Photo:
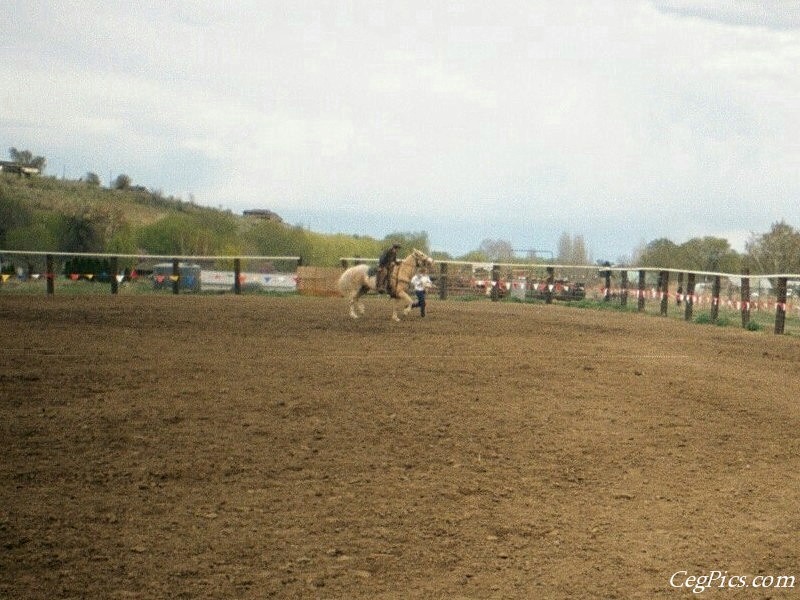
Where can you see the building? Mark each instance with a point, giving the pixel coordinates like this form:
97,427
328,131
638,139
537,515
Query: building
17,169
263,213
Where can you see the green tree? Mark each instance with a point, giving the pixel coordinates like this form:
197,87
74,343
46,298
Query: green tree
777,251
408,240
662,253
27,159
92,179
14,214
81,234
122,182
497,250
709,254
572,250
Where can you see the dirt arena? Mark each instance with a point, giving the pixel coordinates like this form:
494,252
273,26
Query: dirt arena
257,447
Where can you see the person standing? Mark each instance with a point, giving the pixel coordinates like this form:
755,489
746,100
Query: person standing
421,282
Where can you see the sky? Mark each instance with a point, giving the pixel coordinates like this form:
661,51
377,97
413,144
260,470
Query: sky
622,121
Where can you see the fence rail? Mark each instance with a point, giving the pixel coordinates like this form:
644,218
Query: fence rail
551,282
524,281
177,275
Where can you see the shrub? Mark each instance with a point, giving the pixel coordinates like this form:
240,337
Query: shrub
705,319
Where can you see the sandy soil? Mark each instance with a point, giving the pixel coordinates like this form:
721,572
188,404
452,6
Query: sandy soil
254,447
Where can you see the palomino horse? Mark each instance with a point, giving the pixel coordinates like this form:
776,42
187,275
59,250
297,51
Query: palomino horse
356,281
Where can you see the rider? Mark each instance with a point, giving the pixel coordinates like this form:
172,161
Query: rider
385,266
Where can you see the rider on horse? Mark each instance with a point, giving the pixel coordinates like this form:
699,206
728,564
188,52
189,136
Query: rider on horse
385,265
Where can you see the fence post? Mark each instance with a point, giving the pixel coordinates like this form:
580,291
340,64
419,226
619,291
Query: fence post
780,305
237,276
624,293
642,290
745,299
176,276
551,281
443,281
495,293
664,280
689,298
50,276
715,298
607,277
344,263
114,267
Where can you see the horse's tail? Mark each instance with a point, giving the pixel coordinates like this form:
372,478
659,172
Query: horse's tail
341,285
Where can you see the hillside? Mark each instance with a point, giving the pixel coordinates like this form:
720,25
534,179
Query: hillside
42,213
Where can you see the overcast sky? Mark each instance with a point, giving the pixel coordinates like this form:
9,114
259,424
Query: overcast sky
623,121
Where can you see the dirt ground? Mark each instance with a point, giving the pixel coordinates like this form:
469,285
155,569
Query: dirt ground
257,447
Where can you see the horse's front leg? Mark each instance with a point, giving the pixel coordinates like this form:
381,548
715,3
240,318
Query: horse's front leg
404,300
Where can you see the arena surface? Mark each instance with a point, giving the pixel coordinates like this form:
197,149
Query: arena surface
255,447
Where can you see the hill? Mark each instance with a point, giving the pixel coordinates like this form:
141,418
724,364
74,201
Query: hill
42,213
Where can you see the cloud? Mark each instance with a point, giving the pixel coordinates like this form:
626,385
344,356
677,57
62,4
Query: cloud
772,14
615,120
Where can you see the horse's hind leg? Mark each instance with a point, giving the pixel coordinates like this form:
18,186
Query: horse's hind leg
351,301
359,303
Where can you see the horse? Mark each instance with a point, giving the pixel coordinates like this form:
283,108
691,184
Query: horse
357,281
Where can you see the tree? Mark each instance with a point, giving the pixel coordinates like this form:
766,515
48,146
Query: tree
92,179
27,159
497,250
777,251
408,240
661,253
572,250
709,254
81,234
122,182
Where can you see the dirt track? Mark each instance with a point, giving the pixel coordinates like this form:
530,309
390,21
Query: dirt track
252,447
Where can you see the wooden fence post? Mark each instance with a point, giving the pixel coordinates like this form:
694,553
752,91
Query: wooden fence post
689,298
623,299
237,276
607,283
114,268
495,292
176,276
715,290
745,299
344,263
642,290
551,281
664,279
50,275
443,281
780,305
